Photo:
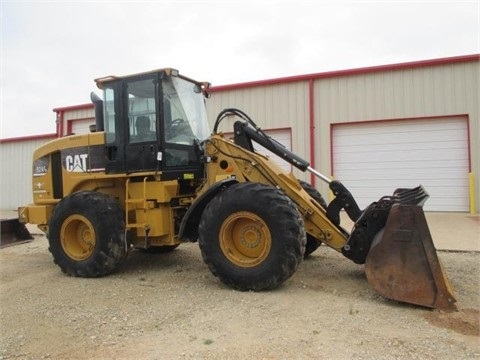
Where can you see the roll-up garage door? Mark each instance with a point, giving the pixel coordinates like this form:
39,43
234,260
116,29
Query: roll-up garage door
372,159
82,126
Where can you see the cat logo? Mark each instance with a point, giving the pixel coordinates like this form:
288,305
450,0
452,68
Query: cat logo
76,163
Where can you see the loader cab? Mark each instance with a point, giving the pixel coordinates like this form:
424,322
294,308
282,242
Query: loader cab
154,122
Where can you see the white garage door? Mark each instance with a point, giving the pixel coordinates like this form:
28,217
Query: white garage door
82,126
372,159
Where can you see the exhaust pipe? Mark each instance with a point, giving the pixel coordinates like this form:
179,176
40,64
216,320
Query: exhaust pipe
98,103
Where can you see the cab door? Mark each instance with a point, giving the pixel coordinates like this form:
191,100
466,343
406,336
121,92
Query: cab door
141,145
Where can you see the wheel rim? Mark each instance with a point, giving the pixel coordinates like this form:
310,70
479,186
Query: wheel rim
77,237
245,239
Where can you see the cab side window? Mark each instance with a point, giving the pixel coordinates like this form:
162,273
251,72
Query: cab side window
141,111
109,115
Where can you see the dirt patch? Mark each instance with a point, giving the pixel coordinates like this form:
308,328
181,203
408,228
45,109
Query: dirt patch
466,321
169,306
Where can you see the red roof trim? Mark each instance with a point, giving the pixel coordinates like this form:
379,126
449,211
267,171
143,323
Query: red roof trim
28,138
356,71
74,107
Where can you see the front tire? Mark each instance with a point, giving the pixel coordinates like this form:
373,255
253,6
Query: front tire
86,234
252,237
312,242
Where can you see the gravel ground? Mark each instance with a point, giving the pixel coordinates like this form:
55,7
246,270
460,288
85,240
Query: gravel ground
170,307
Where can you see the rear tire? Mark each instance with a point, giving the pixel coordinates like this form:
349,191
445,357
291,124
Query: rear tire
312,242
86,234
252,237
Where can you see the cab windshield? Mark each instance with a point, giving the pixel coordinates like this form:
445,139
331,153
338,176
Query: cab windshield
185,117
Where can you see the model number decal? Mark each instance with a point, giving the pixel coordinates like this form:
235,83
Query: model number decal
40,166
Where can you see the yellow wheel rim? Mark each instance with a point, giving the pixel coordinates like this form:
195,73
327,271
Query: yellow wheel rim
77,237
245,239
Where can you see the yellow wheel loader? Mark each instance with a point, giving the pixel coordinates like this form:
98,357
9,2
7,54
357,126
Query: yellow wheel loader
150,175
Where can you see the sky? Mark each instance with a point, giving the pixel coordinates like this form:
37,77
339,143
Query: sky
51,51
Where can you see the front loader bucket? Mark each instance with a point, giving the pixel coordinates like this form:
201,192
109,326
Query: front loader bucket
12,231
402,263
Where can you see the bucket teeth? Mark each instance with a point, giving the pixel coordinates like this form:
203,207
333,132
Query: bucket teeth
415,196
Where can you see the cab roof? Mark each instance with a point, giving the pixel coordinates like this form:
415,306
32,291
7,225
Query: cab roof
167,71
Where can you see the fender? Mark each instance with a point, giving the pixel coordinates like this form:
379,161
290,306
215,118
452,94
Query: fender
189,225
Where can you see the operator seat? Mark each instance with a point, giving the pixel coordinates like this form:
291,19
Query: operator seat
144,133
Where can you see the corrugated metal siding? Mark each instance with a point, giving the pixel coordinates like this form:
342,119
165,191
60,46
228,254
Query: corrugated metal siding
78,114
440,90
16,179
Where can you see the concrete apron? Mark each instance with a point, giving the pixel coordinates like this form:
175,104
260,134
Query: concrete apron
449,231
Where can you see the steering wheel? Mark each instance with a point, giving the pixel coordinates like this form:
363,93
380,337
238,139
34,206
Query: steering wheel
171,129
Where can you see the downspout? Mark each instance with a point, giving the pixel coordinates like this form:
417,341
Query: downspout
69,127
471,177
311,115
59,122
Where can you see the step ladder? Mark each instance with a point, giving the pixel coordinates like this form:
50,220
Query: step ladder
137,204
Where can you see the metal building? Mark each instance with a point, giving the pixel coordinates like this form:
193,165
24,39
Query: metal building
378,128
16,165
374,128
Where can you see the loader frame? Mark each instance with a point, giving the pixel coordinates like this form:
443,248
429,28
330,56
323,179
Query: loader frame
99,195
